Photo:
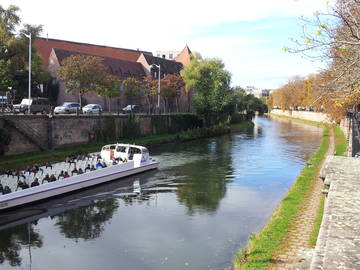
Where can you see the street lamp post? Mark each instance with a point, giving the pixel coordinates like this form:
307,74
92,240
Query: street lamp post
158,101
29,36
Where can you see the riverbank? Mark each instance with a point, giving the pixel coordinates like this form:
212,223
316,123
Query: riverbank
21,161
296,221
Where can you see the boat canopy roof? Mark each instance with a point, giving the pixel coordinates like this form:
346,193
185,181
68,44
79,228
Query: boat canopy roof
116,145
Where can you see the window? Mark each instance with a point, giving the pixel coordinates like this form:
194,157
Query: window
170,56
121,149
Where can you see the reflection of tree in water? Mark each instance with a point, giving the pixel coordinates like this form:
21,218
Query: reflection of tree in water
206,185
14,239
86,222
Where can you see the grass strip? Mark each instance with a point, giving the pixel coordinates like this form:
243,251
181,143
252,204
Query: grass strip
21,161
340,141
262,246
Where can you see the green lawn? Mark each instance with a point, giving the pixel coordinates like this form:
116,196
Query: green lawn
340,141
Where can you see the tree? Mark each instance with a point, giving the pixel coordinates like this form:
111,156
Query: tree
149,91
187,75
171,86
334,37
213,95
110,88
132,88
14,54
82,74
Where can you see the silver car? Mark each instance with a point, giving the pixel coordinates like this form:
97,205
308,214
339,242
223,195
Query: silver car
92,108
67,107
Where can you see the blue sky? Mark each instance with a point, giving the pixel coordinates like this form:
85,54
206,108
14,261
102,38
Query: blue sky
247,35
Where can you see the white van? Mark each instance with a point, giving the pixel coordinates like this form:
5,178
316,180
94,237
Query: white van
37,105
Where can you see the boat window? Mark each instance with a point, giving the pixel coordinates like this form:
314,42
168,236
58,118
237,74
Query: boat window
135,150
121,149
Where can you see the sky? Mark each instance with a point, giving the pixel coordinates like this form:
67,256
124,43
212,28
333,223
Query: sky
247,35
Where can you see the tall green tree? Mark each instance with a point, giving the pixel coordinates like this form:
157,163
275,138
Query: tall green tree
190,79
82,74
213,98
14,55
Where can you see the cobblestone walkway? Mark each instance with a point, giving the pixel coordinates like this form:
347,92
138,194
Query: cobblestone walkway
300,232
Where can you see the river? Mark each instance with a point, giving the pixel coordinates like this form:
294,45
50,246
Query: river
194,212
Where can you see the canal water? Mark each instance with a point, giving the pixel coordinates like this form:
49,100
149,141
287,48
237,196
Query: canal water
194,212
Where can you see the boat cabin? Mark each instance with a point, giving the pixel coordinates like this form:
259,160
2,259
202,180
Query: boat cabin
124,152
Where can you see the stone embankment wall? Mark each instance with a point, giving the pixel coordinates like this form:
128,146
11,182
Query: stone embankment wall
306,115
34,133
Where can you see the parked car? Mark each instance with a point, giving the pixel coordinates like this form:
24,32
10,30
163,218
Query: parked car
67,107
92,108
131,108
37,105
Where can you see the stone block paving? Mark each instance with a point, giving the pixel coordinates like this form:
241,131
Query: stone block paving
298,247
338,245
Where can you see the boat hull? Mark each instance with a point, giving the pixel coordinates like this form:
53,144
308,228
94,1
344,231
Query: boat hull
73,183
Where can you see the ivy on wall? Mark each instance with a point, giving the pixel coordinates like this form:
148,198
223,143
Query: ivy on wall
5,139
109,129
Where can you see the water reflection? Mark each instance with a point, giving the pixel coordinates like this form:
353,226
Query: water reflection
204,190
86,222
194,212
13,240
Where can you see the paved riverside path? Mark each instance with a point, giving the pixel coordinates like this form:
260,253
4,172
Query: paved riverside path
338,245
299,234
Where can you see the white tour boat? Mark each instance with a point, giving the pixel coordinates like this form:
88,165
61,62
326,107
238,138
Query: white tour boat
117,160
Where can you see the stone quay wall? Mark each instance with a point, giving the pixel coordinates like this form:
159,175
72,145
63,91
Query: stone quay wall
38,132
306,115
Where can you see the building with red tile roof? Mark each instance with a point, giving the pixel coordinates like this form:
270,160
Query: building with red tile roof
117,67
184,56
120,62
45,45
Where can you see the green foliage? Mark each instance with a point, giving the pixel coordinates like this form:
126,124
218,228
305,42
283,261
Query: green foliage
132,88
5,138
213,98
105,129
132,127
165,123
14,55
24,160
340,141
238,118
82,74
248,102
